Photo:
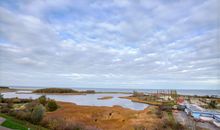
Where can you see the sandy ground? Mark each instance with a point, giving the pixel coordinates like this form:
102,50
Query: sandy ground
107,118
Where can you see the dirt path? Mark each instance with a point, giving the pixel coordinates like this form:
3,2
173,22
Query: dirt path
4,128
2,120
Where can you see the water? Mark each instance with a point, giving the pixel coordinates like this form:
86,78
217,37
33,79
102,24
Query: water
191,92
87,100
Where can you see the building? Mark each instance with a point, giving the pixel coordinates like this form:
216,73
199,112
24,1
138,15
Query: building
180,100
207,116
194,111
216,120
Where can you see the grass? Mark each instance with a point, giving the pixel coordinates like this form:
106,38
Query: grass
170,115
13,123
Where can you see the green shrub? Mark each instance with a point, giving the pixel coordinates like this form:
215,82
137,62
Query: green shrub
30,106
16,100
42,100
212,104
52,105
37,114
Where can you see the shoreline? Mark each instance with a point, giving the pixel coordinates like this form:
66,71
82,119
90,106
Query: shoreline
79,93
12,89
108,107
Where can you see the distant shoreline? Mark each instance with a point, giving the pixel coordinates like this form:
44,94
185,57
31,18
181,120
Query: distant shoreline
190,92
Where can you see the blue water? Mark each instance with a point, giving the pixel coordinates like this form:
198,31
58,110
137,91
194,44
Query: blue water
86,100
179,91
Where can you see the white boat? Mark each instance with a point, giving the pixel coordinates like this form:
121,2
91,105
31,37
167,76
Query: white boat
216,120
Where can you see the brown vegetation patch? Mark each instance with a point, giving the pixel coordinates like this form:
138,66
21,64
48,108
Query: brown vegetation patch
106,118
137,99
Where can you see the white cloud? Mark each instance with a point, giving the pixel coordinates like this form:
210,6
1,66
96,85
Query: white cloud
121,42
28,61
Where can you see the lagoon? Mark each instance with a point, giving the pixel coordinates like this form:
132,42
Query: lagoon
86,100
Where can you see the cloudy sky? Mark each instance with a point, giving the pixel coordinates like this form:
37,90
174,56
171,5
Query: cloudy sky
110,44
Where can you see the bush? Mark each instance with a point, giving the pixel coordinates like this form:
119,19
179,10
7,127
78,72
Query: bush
159,113
30,106
52,105
42,100
5,109
16,100
57,123
37,114
165,107
22,115
1,98
171,124
213,104
52,123
13,113
137,94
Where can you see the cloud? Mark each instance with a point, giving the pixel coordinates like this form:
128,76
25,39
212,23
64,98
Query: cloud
141,44
28,61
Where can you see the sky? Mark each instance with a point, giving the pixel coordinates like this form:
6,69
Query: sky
148,44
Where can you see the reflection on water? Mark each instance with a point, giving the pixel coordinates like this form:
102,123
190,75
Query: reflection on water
89,99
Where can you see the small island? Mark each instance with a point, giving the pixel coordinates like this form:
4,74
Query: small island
6,89
105,98
62,91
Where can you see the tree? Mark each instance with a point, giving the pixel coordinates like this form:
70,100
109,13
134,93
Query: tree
37,114
42,100
137,94
1,98
213,104
52,105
